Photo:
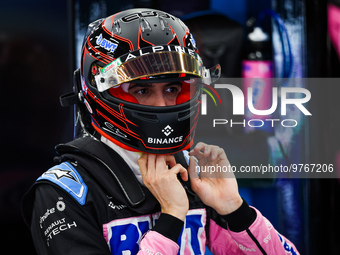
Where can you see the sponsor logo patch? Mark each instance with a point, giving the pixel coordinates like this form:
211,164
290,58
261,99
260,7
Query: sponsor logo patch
67,177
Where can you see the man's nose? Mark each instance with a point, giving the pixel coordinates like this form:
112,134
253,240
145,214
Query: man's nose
160,100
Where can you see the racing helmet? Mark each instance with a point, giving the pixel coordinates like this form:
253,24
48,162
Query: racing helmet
141,46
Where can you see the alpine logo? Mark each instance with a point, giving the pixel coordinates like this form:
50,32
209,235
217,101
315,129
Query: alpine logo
167,130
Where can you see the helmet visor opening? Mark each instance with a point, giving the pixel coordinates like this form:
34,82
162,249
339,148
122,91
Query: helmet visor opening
175,93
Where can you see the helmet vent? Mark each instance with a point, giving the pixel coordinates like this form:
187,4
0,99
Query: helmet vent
116,27
146,117
144,25
164,24
184,115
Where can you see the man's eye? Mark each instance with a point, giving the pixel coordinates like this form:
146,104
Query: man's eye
142,91
172,89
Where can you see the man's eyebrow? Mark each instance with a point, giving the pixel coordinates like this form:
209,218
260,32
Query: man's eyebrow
147,85
174,83
142,85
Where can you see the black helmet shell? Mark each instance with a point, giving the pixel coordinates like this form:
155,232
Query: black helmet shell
150,129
